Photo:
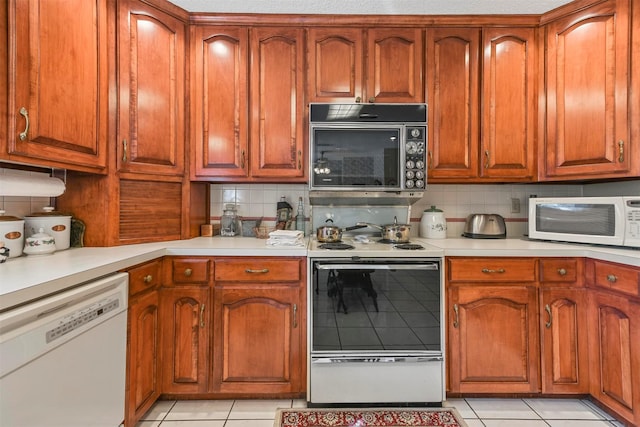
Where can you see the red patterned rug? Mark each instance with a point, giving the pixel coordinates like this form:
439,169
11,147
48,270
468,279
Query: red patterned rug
378,417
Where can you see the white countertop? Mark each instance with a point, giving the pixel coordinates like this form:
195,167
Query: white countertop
29,277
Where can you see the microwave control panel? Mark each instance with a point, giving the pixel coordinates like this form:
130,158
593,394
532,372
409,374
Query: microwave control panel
632,219
415,161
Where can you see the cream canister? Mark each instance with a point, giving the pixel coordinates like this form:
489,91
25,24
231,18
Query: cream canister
433,224
12,234
56,224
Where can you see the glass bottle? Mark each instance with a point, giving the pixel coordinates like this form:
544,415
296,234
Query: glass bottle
300,216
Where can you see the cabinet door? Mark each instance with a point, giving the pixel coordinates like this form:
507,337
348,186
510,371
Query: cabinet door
563,322
588,56
452,95
186,325
58,74
493,339
151,58
395,65
219,102
614,341
508,104
277,103
258,340
143,358
335,64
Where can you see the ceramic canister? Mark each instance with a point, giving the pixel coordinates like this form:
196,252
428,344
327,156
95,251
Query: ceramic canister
12,234
433,224
56,224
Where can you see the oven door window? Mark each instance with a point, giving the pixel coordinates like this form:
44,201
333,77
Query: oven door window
396,310
362,158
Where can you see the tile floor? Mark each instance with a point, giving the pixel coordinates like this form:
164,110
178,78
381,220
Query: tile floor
476,412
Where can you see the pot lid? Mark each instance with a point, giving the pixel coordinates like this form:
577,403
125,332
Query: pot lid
433,209
8,218
47,211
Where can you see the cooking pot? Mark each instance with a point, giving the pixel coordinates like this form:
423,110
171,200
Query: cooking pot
393,233
332,233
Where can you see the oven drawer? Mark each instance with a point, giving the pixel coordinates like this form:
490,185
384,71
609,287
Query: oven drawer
358,380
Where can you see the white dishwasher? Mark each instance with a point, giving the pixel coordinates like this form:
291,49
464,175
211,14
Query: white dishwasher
62,358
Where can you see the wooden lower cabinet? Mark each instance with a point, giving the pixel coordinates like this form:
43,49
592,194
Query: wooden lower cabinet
614,328
493,339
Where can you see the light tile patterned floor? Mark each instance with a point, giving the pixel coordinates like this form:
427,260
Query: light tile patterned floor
476,412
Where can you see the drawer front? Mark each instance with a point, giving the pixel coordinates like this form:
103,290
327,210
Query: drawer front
258,270
190,271
556,271
492,270
617,277
144,276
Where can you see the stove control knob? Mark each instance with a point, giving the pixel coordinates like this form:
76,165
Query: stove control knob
411,147
410,184
420,164
410,164
410,174
419,183
419,174
415,132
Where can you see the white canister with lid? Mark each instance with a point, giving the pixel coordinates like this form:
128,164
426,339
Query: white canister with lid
56,224
433,224
12,234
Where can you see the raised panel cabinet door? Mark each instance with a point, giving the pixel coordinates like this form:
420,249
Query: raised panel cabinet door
277,103
258,340
508,103
395,65
493,339
588,59
186,315
563,322
219,102
452,95
58,83
614,326
335,64
143,356
151,83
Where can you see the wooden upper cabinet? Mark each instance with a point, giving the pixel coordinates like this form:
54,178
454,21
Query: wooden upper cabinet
277,103
242,135
151,87
508,105
588,65
452,95
365,65
219,101
58,83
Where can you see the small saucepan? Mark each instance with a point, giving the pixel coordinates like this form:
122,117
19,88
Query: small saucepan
332,233
393,233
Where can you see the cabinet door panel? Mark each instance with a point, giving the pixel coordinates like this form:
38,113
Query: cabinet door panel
587,92
395,69
335,64
151,84
59,64
452,73
219,101
508,104
277,66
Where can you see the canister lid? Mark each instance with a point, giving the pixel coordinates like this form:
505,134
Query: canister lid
8,218
46,212
433,209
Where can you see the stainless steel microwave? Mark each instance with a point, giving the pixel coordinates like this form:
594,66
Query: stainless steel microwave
372,149
596,220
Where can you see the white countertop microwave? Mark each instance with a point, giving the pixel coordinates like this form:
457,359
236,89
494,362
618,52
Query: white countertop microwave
595,220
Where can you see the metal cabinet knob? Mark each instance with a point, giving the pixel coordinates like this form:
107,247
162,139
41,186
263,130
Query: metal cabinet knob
147,279
188,272
562,272
612,278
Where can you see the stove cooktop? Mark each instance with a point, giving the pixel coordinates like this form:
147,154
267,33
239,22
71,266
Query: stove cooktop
350,246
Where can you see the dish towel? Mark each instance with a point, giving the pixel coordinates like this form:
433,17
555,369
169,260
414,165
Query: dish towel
286,238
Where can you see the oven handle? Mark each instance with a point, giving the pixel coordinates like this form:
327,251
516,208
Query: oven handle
430,266
377,359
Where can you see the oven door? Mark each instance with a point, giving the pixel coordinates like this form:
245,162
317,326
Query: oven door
356,157
377,333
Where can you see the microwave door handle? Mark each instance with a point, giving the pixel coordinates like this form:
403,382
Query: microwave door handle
368,116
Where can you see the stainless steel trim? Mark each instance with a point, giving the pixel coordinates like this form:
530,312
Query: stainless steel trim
377,359
357,266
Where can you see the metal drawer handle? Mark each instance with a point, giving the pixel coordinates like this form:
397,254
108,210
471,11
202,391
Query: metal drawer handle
612,278
23,135
299,159
124,151
548,310
147,279
456,320
264,270
621,151
295,315
242,160
188,272
487,155
202,316
562,272
489,271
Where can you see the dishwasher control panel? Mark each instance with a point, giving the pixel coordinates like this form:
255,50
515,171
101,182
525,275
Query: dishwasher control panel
82,317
